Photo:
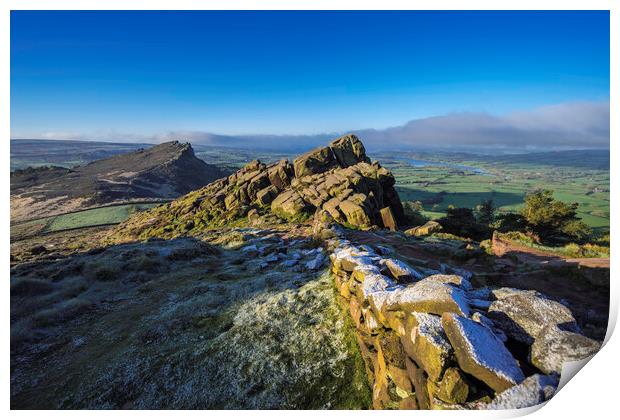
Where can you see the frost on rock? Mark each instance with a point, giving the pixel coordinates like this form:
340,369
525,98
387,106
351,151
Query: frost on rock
553,347
533,391
426,343
400,270
480,353
350,257
430,295
523,314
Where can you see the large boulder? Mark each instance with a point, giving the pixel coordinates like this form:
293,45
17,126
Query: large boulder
480,353
355,214
553,347
430,295
349,150
315,162
424,230
523,314
388,219
280,174
289,205
534,390
426,343
452,389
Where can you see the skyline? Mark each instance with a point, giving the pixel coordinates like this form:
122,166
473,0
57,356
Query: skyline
304,73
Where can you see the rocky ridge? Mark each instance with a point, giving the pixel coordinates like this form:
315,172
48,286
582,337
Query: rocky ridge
338,178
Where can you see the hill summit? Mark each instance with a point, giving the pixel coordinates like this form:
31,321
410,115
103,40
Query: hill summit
164,171
338,179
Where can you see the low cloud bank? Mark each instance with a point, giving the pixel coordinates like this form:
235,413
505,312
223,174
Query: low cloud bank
577,125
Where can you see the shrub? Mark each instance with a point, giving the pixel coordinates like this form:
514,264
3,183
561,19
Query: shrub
413,213
510,222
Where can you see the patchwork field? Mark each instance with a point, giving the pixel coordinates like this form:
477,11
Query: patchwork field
438,186
80,219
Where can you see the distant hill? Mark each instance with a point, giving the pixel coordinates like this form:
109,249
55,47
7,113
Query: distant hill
586,159
67,153
165,171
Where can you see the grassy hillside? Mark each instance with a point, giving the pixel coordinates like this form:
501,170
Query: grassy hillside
80,219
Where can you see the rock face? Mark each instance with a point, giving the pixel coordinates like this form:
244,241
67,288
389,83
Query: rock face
523,314
480,353
553,347
338,178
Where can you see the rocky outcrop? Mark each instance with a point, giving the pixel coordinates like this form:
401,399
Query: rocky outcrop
437,342
426,229
338,179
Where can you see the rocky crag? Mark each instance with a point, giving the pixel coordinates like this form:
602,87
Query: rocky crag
338,178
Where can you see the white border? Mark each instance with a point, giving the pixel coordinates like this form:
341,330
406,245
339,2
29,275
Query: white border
591,395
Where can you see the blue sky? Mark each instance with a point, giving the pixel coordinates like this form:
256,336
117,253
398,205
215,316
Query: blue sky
143,73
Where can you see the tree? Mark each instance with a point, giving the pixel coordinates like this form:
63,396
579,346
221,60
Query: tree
460,221
510,222
552,220
413,213
485,212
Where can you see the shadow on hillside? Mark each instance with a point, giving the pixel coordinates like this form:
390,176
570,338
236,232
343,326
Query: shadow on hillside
458,199
48,292
144,304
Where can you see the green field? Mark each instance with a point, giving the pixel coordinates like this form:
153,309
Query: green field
437,187
80,219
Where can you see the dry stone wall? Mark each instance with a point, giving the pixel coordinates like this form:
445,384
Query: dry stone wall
433,341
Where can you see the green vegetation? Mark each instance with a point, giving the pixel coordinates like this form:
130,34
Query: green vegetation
506,181
553,221
414,213
571,250
462,222
86,218
94,217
